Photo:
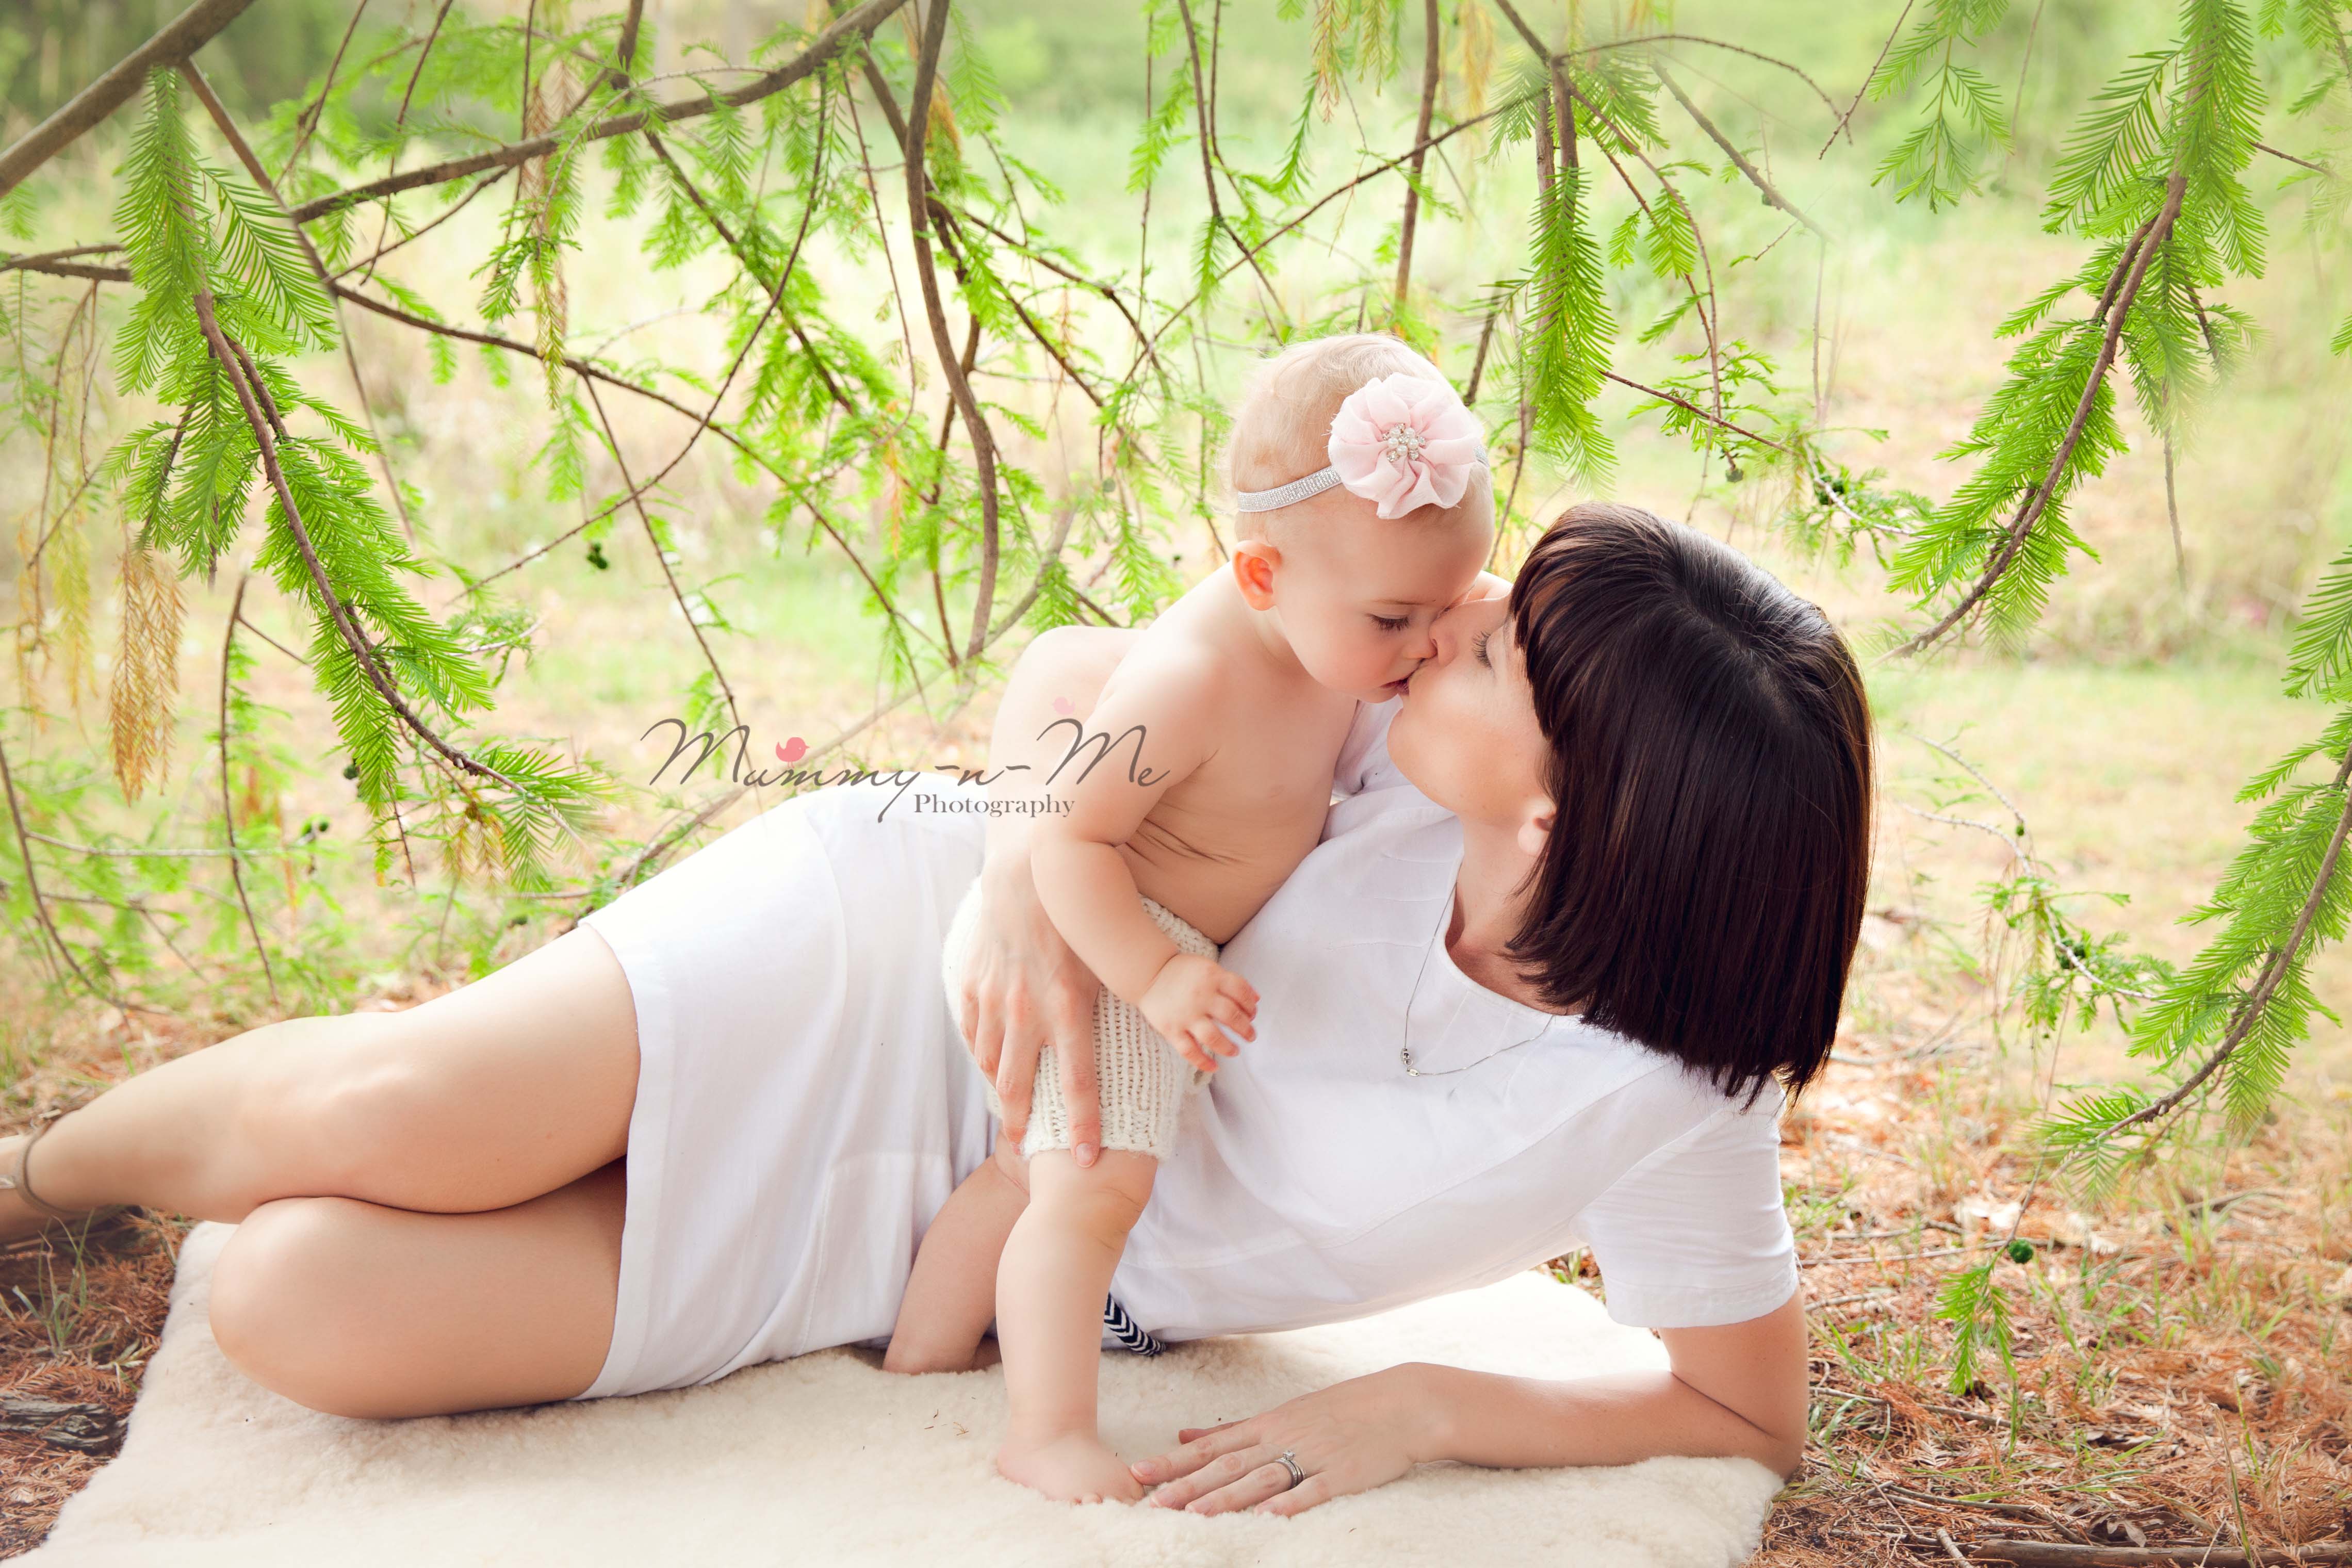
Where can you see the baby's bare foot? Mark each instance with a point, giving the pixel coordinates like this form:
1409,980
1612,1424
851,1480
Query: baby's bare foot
1073,1467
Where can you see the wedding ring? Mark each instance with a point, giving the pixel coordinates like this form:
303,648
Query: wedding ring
1288,1461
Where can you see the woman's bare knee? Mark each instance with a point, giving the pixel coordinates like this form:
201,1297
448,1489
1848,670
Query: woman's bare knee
367,1309
282,1302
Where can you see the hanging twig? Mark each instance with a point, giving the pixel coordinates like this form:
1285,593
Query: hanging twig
1773,196
1108,292
307,121
1714,419
367,265
850,29
1846,122
2115,305
228,800
2172,516
250,394
661,555
1386,165
245,155
40,906
179,39
587,370
2273,971
1217,218
1648,40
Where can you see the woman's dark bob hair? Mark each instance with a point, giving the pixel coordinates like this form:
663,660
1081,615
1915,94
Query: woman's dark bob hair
1704,881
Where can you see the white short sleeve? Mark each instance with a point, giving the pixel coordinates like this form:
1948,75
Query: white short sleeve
1694,1236
1364,762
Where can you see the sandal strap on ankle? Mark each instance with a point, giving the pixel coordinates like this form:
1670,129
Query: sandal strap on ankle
14,1180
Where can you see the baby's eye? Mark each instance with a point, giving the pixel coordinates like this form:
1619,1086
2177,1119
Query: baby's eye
1391,623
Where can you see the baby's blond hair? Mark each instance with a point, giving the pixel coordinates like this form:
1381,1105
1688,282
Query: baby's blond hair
1283,428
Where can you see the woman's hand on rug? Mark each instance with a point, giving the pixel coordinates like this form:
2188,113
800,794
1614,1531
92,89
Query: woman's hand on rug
1023,990
1349,1437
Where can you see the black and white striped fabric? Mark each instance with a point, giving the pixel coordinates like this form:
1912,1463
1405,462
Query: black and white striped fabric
1130,1335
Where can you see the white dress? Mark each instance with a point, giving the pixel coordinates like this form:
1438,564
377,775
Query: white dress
805,1105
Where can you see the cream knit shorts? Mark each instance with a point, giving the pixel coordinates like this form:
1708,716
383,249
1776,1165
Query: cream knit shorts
1144,1079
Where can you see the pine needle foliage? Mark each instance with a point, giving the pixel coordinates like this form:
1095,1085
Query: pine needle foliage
887,411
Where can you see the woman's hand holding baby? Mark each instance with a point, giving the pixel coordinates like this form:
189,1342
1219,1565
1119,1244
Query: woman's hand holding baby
1187,1001
1023,990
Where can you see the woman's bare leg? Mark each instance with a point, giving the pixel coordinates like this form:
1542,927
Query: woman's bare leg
359,1309
514,1086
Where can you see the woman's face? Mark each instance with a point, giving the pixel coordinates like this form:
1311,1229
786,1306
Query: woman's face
1467,735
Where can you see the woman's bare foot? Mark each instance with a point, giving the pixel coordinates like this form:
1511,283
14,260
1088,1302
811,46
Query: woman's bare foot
1073,1467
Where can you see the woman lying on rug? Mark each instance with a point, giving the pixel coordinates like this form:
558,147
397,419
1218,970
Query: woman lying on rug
1587,905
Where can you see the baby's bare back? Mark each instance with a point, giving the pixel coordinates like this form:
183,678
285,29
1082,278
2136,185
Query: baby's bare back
1219,842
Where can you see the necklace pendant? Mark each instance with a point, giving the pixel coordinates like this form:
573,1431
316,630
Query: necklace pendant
1405,1055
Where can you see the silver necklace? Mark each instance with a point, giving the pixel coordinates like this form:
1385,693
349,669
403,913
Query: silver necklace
1404,1048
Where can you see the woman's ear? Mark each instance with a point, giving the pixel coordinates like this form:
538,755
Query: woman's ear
1535,827
1254,563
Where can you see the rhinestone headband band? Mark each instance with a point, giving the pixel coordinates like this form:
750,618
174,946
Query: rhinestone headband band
1401,441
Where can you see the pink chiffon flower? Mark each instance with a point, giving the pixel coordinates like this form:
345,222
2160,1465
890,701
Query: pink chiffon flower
1405,442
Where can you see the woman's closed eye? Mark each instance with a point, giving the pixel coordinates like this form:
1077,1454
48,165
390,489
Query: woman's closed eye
1392,623
1478,648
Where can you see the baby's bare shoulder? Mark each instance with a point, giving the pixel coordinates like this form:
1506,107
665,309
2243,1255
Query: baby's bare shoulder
1178,665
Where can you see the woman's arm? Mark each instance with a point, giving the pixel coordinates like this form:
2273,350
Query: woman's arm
1733,1392
1024,988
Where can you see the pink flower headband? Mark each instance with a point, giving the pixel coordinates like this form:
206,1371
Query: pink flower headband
1402,441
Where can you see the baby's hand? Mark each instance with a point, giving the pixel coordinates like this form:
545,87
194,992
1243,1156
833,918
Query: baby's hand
1190,997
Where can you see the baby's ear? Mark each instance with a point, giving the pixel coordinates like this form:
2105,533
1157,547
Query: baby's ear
1253,566
1487,586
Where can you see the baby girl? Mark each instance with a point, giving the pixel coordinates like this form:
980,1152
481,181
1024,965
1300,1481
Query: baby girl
1364,510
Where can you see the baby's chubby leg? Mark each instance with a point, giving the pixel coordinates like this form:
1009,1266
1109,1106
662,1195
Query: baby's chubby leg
951,1295
1050,1287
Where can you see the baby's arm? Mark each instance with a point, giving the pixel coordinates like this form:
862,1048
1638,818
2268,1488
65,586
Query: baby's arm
951,1295
1158,716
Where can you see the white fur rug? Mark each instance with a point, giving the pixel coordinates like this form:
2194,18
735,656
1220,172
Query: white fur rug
828,1459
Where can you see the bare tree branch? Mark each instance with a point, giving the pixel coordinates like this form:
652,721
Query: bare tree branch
2315,168
179,39
984,445
73,270
1432,58
40,261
